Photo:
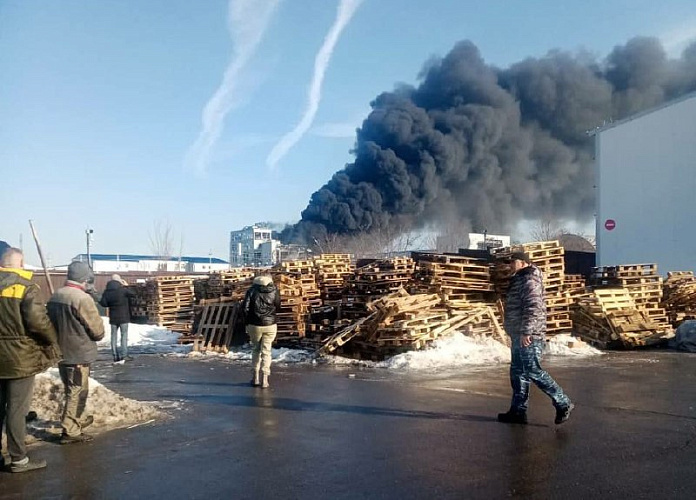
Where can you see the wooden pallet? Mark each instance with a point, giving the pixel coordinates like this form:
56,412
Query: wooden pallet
217,324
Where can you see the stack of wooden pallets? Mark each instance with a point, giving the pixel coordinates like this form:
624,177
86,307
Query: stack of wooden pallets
170,302
679,296
303,271
374,280
401,322
138,304
608,318
294,308
548,256
227,283
642,283
332,271
454,277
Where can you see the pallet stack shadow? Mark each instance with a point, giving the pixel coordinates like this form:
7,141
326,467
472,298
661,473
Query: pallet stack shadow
560,288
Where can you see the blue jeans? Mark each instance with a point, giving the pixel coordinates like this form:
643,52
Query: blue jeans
525,367
124,341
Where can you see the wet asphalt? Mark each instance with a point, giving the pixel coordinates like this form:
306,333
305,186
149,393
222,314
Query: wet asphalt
326,432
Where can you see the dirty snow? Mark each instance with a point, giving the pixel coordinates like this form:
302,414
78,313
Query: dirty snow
109,409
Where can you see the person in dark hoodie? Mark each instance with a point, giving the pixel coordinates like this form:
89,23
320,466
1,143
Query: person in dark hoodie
117,298
260,305
525,323
28,345
76,319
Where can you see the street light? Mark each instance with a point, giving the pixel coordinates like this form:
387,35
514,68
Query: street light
88,233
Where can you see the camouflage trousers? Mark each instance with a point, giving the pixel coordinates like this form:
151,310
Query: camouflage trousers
525,367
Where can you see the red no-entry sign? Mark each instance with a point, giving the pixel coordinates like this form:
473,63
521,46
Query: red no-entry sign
609,224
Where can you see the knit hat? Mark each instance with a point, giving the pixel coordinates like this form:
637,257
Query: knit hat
520,256
80,272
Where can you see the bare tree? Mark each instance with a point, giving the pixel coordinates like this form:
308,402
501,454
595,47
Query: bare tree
161,239
453,235
547,228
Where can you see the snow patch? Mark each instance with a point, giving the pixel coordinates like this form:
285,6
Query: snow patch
110,410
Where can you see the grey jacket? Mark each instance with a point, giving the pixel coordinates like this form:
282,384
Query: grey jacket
525,307
76,319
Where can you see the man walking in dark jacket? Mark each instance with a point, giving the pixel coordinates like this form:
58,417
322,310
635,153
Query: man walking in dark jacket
76,319
117,298
261,303
28,345
525,323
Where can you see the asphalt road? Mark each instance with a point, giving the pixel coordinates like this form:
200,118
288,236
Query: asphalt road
320,432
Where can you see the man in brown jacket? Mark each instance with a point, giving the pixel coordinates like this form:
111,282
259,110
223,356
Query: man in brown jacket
76,319
28,345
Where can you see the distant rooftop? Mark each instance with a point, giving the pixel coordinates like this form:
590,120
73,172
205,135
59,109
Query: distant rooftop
137,258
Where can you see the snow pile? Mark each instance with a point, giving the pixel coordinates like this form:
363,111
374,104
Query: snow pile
567,345
460,351
453,351
147,339
447,353
110,410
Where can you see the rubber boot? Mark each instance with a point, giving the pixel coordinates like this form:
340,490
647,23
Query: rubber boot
264,381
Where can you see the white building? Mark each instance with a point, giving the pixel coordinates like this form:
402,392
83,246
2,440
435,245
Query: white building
253,246
116,263
645,188
485,241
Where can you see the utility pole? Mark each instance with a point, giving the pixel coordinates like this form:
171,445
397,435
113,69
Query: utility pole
89,232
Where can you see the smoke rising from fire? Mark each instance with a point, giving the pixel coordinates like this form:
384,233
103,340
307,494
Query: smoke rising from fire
487,146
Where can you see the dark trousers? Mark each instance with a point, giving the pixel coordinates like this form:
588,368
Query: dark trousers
15,398
76,383
525,367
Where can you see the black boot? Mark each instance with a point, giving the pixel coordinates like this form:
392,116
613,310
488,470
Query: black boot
563,414
513,417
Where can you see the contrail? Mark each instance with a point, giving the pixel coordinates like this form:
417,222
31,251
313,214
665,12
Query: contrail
247,21
346,9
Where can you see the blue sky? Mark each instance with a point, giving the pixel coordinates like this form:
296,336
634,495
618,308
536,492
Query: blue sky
102,102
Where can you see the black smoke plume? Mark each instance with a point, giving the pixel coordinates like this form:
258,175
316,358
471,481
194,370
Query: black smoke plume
487,146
